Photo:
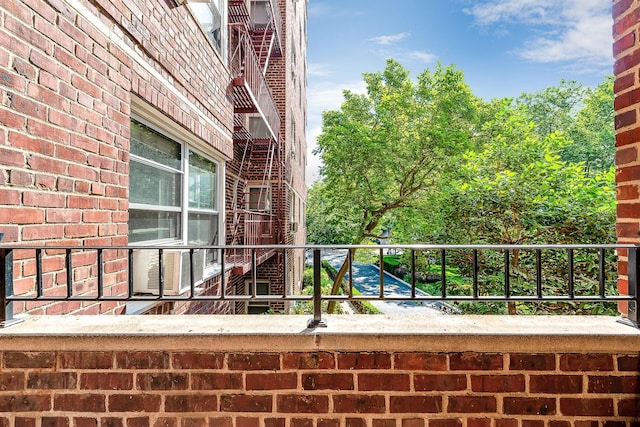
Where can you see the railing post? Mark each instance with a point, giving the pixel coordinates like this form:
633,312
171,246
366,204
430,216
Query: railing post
633,275
317,321
6,287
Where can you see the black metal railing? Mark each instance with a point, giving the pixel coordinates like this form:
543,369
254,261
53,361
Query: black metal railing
59,274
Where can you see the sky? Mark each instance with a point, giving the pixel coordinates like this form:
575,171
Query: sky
504,47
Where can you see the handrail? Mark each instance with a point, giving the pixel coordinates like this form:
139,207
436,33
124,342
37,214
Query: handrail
277,21
258,228
438,253
245,64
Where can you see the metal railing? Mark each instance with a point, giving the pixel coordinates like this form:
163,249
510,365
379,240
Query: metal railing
258,228
506,268
252,93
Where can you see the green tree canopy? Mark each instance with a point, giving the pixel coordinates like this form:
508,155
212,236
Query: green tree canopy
593,131
386,149
586,115
518,190
554,108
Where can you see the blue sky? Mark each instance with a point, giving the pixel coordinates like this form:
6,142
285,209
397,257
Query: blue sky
504,47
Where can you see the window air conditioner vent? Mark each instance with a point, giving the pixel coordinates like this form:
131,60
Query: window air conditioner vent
176,271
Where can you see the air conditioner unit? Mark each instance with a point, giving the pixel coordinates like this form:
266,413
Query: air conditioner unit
294,227
176,270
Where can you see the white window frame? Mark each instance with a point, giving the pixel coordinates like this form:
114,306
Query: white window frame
204,11
188,142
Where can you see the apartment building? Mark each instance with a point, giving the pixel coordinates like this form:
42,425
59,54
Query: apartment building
153,123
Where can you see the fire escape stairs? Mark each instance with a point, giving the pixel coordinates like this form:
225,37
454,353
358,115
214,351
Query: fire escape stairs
257,43
265,36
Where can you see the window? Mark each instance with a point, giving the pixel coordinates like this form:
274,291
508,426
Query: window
261,13
259,199
213,19
262,288
173,192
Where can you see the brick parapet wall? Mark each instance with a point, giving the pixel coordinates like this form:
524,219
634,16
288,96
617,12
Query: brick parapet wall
247,377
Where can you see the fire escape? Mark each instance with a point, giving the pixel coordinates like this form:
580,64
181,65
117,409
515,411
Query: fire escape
256,33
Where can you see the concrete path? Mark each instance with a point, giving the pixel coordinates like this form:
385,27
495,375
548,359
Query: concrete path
366,279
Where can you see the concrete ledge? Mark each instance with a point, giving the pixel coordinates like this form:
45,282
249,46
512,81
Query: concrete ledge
349,333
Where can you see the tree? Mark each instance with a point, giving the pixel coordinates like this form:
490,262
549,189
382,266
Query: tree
593,131
518,190
515,189
586,116
554,108
324,225
387,149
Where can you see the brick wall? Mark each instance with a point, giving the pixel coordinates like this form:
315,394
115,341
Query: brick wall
626,51
140,379
70,74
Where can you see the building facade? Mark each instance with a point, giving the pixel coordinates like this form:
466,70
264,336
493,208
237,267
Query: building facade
146,123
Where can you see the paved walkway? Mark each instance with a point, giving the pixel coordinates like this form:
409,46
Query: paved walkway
366,279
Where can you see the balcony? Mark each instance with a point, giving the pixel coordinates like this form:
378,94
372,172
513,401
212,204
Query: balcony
81,274
239,12
251,93
263,19
345,370
259,231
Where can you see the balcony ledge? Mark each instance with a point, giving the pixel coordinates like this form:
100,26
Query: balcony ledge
531,334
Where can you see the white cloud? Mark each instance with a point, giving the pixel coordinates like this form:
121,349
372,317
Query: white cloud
422,56
390,39
581,28
319,70
496,11
587,39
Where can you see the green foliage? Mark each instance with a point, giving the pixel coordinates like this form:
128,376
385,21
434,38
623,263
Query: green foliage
593,131
431,162
306,307
517,190
326,225
585,115
387,149
522,277
553,109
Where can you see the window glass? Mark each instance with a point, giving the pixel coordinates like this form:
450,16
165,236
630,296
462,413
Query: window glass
151,145
202,182
261,13
159,169
259,199
211,16
153,225
153,186
203,231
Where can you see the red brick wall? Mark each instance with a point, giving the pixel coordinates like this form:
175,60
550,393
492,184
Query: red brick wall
626,51
318,389
69,70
